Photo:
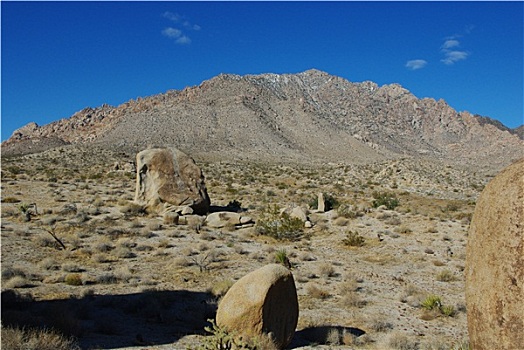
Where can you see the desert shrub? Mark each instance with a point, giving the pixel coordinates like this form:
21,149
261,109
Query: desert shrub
326,270
73,279
133,209
431,302
403,229
385,198
282,258
220,338
170,219
446,276
106,278
10,272
49,264
448,310
353,239
434,303
123,252
316,292
71,267
400,341
220,288
280,227
35,339
347,211
10,200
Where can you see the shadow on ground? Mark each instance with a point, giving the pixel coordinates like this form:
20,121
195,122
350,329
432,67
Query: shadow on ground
324,335
115,321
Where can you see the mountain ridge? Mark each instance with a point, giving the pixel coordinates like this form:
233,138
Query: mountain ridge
308,115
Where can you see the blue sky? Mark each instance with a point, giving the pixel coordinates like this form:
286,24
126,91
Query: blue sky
59,57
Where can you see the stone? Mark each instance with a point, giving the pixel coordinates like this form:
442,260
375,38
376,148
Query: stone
186,210
168,175
260,303
226,218
321,203
495,264
299,213
308,224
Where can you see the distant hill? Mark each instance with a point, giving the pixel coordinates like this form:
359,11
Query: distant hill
307,116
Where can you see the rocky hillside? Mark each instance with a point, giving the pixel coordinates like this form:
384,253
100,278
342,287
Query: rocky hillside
306,116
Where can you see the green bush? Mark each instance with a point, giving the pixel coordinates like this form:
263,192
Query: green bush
73,279
279,226
432,302
385,198
353,239
282,258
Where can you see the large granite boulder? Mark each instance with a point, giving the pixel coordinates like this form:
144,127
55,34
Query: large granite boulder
495,264
168,176
264,302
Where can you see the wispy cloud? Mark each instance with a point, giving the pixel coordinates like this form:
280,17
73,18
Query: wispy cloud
416,64
176,33
450,49
450,57
448,44
171,32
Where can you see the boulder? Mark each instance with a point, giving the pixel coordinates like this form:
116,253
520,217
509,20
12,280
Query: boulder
495,264
264,302
321,203
299,213
226,218
169,176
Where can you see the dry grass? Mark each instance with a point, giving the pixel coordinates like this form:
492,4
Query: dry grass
34,339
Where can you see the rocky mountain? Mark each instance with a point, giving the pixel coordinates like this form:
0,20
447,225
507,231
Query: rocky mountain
307,116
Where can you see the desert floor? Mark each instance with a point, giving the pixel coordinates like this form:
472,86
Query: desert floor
128,279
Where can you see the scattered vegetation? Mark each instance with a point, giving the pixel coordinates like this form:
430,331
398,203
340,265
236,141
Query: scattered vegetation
353,239
35,339
389,200
279,226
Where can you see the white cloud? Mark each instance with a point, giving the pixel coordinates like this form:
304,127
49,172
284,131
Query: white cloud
450,57
171,32
450,49
183,40
176,33
175,17
416,64
450,43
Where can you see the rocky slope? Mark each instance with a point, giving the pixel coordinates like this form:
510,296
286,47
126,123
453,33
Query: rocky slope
306,116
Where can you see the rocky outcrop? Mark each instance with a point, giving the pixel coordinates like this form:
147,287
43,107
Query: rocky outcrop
495,264
169,177
228,219
264,302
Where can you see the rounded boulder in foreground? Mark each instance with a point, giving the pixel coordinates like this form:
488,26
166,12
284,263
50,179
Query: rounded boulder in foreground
495,264
262,302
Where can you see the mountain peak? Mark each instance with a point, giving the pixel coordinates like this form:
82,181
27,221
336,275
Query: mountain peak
303,116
